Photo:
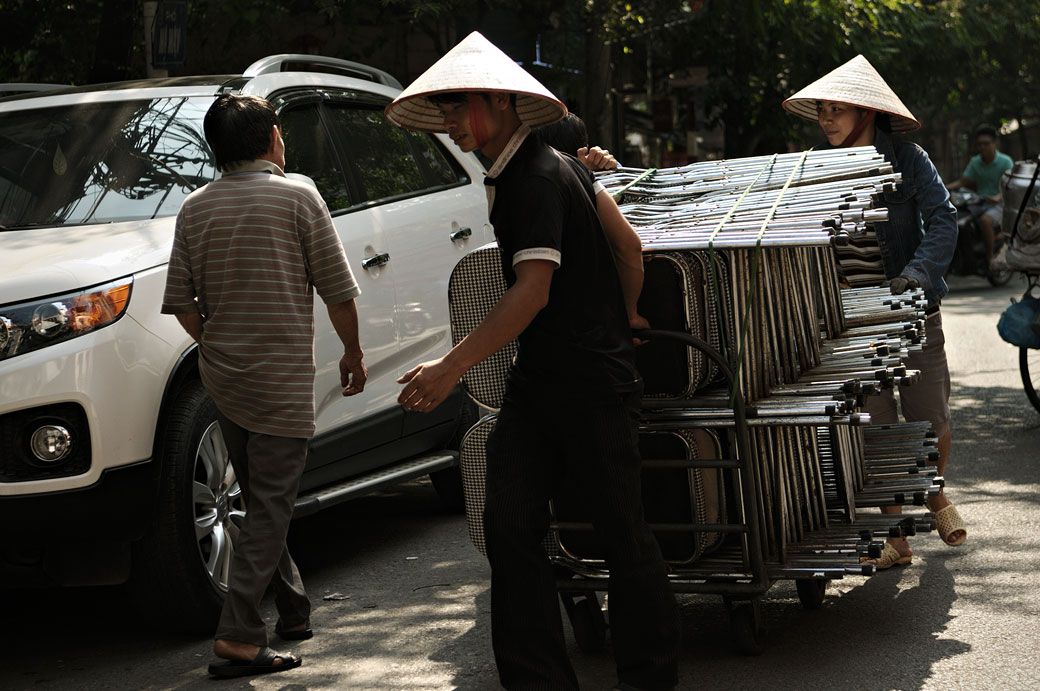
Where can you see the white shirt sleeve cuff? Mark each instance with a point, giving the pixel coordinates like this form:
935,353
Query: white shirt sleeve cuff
546,253
598,187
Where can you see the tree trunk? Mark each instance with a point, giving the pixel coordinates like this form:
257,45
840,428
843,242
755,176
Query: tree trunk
1023,136
596,109
115,41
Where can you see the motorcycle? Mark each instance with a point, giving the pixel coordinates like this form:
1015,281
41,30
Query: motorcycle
969,258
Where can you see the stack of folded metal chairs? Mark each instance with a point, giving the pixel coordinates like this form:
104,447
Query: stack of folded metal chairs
758,464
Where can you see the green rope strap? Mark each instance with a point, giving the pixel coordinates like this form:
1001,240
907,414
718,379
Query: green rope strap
754,274
646,173
711,251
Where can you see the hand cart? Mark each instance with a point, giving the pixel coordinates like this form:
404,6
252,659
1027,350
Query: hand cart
743,494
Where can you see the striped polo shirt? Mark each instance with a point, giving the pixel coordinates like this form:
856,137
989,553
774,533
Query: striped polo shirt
248,252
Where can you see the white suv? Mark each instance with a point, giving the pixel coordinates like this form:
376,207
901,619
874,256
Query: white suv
112,468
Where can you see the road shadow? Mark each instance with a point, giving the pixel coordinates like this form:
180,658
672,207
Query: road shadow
850,642
371,607
897,615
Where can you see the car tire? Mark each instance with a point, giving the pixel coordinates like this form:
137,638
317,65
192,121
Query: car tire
182,566
448,485
448,482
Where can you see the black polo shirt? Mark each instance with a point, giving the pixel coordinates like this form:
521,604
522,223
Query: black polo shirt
580,344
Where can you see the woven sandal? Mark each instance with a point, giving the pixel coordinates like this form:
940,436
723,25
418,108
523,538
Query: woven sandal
890,556
948,521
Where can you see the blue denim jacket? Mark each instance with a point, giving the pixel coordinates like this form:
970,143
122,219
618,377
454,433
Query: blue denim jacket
920,235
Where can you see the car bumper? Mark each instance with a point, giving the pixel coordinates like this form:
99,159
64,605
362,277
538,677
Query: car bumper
80,536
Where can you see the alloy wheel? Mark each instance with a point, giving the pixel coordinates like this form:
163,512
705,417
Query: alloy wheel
218,506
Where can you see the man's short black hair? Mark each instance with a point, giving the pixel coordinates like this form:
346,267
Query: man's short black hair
446,97
238,128
985,131
566,135
456,97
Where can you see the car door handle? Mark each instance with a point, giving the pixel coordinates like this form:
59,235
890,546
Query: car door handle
460,234
375,260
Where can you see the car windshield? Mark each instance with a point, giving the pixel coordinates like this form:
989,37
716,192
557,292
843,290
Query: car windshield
101,162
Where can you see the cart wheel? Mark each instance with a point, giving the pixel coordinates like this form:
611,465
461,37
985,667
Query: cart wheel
746,626
1029,364
812,591
587,620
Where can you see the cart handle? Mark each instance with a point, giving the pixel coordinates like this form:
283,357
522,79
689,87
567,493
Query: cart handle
690,340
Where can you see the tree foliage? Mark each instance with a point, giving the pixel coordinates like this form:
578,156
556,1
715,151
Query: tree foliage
68,41
951,61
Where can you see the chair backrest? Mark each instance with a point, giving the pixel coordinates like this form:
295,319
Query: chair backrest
475,286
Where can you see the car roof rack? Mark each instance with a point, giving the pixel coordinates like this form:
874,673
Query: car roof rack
297,62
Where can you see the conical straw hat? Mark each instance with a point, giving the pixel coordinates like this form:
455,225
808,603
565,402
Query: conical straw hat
856,83
475,64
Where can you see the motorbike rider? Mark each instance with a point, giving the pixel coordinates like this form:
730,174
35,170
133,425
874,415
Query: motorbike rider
983,175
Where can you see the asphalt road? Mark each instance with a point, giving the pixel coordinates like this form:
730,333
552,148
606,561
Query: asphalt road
401,598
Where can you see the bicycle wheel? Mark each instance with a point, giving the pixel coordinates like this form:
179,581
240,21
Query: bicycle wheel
1029,364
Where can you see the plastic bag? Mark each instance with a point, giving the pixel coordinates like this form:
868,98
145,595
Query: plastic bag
1016,323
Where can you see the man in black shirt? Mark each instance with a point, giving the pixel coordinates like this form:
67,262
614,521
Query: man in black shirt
574,270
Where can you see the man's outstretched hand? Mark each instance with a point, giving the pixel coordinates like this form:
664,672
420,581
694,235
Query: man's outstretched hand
427,385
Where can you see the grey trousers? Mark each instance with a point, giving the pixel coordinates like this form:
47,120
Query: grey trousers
268,470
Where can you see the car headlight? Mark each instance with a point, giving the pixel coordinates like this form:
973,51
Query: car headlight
29,326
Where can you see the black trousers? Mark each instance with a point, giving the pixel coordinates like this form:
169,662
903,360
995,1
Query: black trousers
535,440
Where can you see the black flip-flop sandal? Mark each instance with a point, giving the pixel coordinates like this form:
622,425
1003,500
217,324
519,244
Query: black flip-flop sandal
294,635
263,663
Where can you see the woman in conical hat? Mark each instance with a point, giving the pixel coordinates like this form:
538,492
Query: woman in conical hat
573,267
912,249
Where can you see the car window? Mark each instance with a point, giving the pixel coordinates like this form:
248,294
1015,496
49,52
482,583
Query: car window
441,168
308,150
342,141
102,162
379,152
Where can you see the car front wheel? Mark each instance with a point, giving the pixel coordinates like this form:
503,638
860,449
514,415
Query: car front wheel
182,567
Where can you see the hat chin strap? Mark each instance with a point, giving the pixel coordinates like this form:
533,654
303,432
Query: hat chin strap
864,122
476,123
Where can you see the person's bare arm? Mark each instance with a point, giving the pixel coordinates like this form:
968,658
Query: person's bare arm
962,182
628,255
352,372
192,323
429,384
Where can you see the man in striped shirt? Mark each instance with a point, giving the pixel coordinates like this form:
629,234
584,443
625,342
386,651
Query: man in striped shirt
248,251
